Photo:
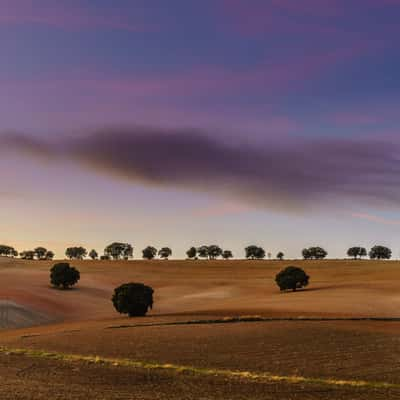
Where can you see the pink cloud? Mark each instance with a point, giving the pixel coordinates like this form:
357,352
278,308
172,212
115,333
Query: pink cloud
220,210
71,17
375,218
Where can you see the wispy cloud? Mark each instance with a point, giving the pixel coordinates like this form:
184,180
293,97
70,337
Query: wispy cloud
67,16
375,218
300,174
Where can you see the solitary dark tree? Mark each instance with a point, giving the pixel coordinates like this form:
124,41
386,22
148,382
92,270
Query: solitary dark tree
149,252
133,299
254,252
314,253
192,253
93,254
63,275
291,278
227,254
380,253
27,255
280,256
49,255
76,253
119,250
356,252
165,252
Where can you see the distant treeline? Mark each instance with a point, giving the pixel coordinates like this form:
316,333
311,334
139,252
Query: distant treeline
124,251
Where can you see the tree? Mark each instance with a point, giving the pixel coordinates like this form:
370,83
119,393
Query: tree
149,252
27,255
105,257
40,253
165,252
63,275
76,253
214,251
280,256
356,252
314,253
119,250
254,252
93,254
380,253
7,251
202,251
291,278
49,255
133,299
192,253
227,254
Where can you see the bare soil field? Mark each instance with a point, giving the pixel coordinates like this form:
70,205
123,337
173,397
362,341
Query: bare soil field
90,351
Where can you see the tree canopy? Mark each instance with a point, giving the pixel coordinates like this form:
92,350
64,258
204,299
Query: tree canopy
63,275
119,250
76,253
380,253
291,278
314,253
254,252
133,299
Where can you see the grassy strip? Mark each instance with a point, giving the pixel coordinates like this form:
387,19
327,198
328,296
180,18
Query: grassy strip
247,375
230,320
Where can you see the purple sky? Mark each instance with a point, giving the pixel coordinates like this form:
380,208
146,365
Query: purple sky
185,123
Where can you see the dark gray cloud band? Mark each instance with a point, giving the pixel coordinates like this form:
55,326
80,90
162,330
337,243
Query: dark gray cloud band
294,175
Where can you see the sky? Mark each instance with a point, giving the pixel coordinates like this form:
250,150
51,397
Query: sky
181,123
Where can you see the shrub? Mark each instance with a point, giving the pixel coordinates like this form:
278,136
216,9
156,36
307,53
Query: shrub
291,278
133,299
63,275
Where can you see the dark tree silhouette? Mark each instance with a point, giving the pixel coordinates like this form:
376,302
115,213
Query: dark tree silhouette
214,251
27,255
8,251
356,252
254,252
149,252
40,253
291,278
133,299
314,253
192,253
202,251
118,250
76,253
227,254
93,254
380,253
63,275
280,256
165,252
49,255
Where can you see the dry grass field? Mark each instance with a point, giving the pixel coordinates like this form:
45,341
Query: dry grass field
82,349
